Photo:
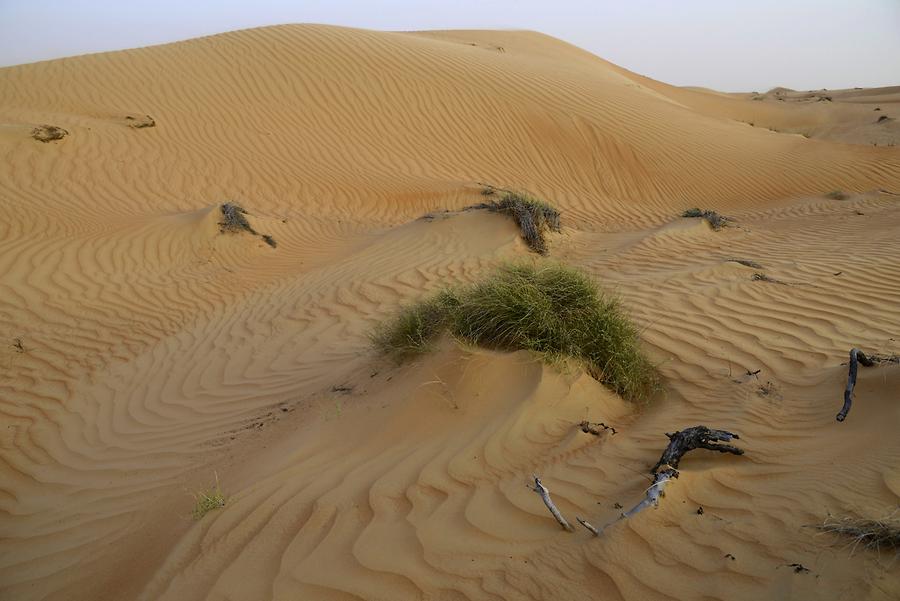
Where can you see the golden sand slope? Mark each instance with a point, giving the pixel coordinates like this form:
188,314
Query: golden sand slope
143,351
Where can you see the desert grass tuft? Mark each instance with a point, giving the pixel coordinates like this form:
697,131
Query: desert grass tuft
837,195
554,310
714,219
875,535
533,216
208,500
415,327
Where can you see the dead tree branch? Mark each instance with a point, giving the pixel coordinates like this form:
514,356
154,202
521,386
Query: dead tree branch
666,469
698,437
856,356
587,525
544,493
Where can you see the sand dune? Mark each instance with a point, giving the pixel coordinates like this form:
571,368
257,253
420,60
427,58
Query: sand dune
144,351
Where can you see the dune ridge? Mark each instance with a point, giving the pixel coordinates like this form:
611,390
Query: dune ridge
143,350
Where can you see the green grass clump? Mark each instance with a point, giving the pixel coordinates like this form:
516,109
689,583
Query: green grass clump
553,310
416,326
208,500
837,195
715,220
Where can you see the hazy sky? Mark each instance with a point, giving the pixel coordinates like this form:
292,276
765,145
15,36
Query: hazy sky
725,44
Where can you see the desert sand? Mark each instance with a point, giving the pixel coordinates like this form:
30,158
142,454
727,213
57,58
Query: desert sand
143,353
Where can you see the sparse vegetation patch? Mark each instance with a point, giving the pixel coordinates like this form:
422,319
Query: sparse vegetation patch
48,133
234,221
714,219
140,122
837,195
533,216
553,310
208,500
875,535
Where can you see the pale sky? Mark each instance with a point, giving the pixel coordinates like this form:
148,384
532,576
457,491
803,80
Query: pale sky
731,45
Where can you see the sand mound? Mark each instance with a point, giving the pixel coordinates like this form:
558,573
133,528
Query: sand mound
144,351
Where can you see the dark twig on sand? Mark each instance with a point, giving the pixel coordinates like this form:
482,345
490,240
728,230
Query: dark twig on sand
856,357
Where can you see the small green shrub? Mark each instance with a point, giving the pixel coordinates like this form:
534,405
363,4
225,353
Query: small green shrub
553,310
415,326
837,195
208,500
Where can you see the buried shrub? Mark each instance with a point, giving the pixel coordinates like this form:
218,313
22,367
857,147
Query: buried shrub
837,195
715,220
553,310
534,217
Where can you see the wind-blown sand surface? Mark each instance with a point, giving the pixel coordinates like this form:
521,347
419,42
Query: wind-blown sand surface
142,351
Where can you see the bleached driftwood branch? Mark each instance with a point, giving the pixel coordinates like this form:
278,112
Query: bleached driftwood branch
856,356
588,525
544,493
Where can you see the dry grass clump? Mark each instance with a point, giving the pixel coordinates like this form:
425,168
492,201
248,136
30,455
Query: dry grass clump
837,195
553,310
533,216
235,222
48,133
874,535
140,122
208,500
715,220
233,219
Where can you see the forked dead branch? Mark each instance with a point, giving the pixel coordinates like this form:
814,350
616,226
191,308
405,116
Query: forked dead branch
665,470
